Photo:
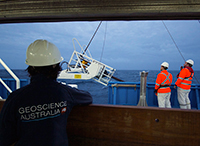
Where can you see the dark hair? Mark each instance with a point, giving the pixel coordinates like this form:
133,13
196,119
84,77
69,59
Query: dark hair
190,65
51,71
165,68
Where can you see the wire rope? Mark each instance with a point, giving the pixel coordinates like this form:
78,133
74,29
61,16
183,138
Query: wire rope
104,42
177,46
173,40
92,37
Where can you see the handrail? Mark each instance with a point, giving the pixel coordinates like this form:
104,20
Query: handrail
5,85
123,85
12,74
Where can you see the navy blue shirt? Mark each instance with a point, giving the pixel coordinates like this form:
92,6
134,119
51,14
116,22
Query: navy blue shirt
36,115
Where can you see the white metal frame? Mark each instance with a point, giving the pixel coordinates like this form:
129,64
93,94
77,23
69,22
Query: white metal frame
91,69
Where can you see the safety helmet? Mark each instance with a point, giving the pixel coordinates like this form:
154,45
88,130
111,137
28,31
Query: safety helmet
42,53
165,64
190,61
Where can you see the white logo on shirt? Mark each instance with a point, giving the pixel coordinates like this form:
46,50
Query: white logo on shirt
42,111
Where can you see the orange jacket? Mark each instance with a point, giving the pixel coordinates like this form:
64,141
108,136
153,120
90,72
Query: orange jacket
163,82
184,80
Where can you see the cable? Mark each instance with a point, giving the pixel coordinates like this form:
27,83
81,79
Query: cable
92,37
103,42
173,40
63,63
177,46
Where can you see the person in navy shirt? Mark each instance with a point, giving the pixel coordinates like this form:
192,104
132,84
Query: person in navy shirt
36,114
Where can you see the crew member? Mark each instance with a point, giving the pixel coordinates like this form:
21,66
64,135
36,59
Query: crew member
162,86
36,115
183,83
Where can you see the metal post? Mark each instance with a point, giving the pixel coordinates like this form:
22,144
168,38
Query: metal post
143,83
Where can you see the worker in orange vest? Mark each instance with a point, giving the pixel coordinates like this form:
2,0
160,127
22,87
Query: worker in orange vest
162,86
183,83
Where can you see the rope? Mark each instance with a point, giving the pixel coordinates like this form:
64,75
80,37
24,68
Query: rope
104,42
173,40
177,46
92,37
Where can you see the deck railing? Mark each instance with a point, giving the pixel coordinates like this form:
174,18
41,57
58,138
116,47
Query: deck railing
12,74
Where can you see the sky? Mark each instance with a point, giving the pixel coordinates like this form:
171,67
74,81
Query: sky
123,45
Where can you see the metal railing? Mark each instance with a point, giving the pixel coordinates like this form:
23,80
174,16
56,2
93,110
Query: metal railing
12,74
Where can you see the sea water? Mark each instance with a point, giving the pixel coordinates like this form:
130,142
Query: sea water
98,91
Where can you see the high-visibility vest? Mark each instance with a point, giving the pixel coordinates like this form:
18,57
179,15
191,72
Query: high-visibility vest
163,82
184,80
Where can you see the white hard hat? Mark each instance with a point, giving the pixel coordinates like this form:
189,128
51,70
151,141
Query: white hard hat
165,64
42,53
190,61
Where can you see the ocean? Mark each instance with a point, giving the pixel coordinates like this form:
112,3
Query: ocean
98,91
